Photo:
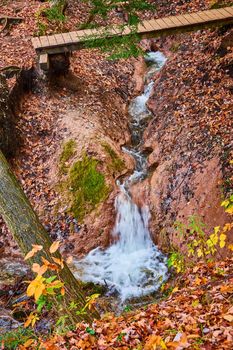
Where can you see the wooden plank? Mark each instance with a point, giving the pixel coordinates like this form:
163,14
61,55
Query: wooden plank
204,16
161,23
52,40
212,15
168,22
229,10
175,21
36,43
73,37
59,39
144,27
186,20
67,39
155,25
219,14
223,11
44,61
44,41
196,18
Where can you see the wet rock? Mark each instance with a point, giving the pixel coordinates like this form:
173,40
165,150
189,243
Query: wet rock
11,270
7,322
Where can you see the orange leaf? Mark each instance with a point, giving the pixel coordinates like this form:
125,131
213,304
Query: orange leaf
37,247
28,343
58,261
35,267
30,254
62,291
42,270
54,247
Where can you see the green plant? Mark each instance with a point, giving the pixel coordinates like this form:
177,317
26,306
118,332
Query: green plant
54,13
228,205
42,27
47,289
199,243
116,165
177,261
12,340
118,47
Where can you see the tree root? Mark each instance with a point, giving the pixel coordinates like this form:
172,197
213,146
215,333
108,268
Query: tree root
10,71
7,21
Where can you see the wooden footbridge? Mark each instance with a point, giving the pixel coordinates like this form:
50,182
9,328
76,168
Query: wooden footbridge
67,42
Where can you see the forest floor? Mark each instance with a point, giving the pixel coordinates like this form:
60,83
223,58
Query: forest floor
196,311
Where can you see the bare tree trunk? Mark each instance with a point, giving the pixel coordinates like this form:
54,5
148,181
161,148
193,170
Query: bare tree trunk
24,224
8,139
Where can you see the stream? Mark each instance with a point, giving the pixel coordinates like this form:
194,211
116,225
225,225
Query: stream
133,266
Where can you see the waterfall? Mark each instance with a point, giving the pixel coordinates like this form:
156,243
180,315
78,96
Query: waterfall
132,266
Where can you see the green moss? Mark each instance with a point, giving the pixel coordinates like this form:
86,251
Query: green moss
86,186
116,164
68,151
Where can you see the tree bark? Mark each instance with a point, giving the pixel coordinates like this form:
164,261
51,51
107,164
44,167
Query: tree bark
8,139
26,228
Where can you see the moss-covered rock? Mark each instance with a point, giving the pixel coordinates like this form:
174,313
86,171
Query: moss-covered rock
85,186
68,151
116,165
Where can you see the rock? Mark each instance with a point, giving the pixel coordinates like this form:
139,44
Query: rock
7,322
11,270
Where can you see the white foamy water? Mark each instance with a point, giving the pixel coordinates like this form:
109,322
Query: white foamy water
132,266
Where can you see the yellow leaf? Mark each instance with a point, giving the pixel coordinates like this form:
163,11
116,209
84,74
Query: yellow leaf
39,290
31,290
199,253
29,320
229,210
174,290
230,247
54,247
229,318
225,203
222,237
222,244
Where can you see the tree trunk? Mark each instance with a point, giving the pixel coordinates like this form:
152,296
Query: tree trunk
8,139
24,224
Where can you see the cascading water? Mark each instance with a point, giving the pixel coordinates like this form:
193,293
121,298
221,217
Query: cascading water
133,266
